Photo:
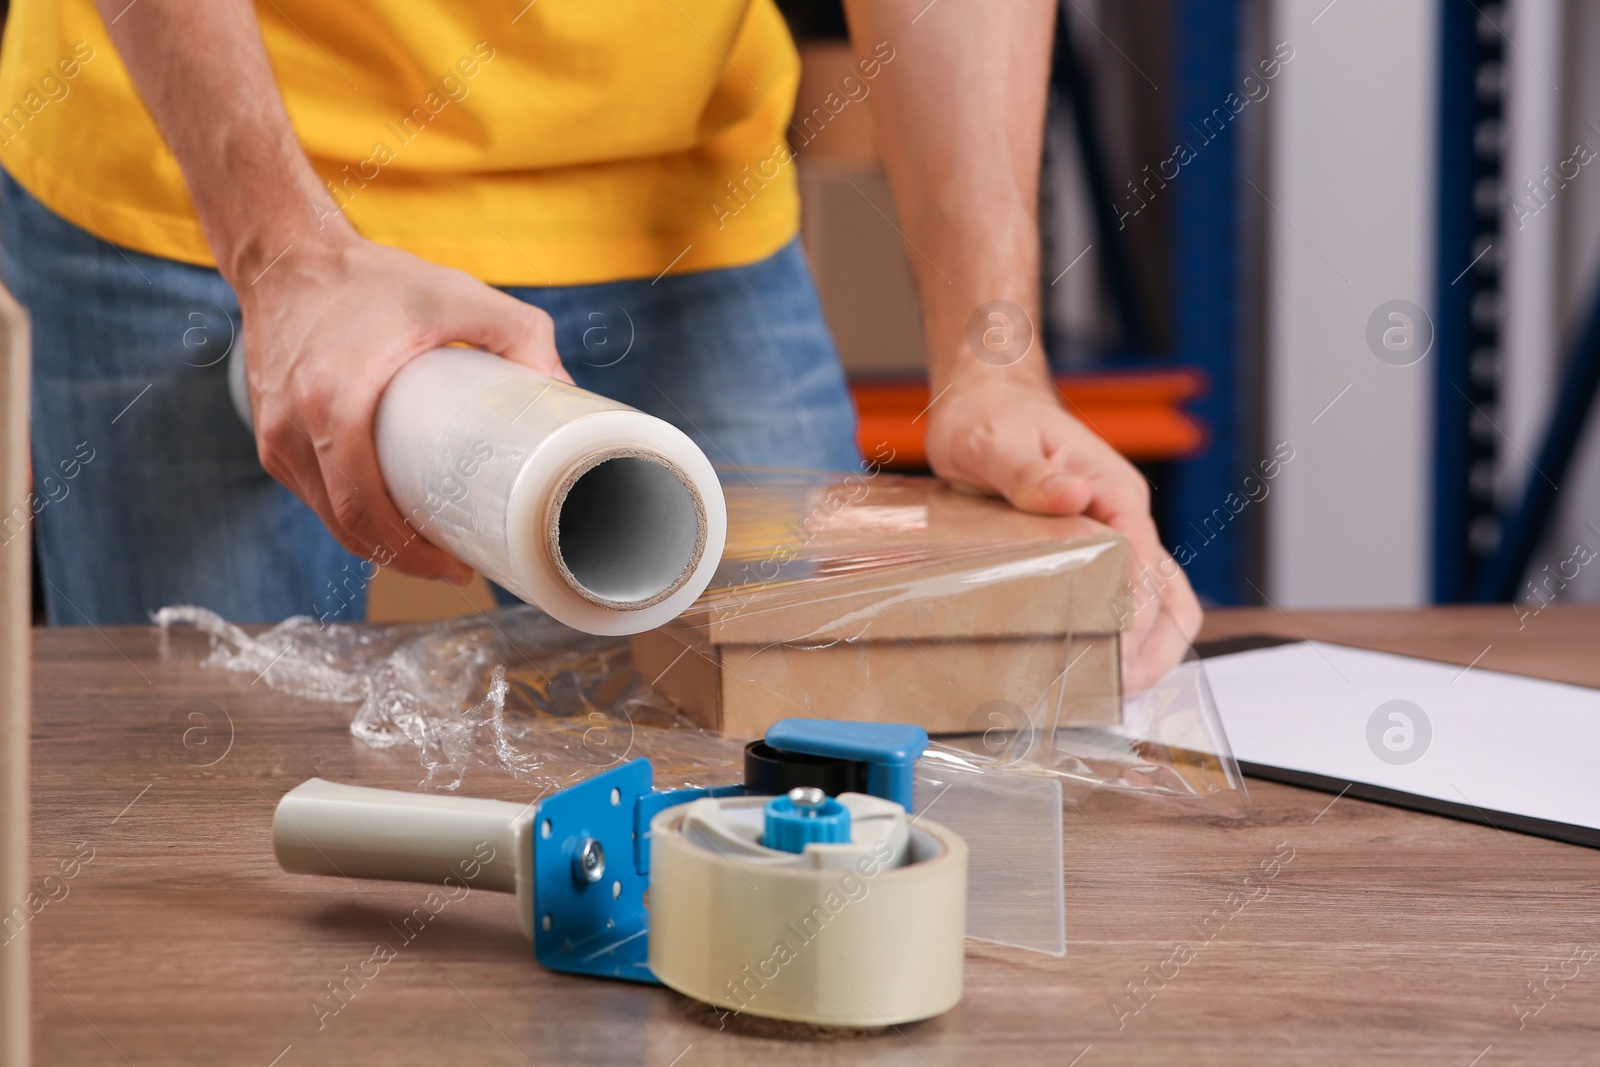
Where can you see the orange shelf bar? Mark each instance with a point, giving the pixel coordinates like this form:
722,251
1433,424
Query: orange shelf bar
1139,413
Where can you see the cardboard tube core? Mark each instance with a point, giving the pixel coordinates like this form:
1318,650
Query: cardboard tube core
626,529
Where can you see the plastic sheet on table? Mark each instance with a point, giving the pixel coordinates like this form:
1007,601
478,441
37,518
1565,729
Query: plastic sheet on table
1167,745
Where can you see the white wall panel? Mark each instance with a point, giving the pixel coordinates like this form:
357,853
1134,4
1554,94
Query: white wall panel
1351,182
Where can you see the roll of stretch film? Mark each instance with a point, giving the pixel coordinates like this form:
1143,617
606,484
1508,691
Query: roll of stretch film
610,520
856,944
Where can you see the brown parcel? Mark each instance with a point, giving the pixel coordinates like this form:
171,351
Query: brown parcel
915,604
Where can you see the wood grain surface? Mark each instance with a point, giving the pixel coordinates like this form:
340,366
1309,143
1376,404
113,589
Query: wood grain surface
1354,933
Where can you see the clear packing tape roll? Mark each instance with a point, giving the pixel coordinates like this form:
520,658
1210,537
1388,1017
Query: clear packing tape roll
610,520
843,939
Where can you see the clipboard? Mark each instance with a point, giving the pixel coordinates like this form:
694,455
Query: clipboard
1495,748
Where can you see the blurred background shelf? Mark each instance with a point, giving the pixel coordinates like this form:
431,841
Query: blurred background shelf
1140,414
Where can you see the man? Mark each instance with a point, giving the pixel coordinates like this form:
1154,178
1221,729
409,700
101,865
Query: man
351,184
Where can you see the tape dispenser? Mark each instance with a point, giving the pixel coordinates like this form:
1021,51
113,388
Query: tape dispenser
805,894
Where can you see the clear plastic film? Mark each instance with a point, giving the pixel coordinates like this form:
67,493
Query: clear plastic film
1023,643
1026,645
1012,826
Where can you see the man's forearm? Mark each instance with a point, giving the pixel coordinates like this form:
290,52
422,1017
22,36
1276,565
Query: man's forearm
960,118
202,69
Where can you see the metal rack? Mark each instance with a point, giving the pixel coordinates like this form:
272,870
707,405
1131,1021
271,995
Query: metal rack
1470,303
1479,554
1207,290
1204,266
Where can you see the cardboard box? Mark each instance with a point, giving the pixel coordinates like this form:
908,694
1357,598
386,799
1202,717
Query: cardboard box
848,222
907,602
858,258
831,117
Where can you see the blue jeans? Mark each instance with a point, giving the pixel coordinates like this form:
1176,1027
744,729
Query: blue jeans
148,489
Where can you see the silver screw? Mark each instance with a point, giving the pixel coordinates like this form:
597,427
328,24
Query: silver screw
807,798
589,862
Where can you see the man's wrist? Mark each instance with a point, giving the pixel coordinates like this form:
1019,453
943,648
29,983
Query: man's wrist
250,257
264,201
982,324
998,345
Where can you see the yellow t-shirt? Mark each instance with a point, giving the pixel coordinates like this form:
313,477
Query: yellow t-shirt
556,142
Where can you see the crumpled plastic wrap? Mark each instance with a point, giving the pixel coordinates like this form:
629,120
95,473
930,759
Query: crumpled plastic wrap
510,690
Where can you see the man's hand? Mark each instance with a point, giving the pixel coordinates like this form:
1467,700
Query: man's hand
999,434
325,329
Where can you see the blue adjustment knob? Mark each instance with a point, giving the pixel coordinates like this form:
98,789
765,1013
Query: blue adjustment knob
807,814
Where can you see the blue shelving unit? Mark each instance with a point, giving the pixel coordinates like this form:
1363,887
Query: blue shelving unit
1206,266
1472,52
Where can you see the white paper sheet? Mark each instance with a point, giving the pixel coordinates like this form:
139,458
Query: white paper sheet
1484,739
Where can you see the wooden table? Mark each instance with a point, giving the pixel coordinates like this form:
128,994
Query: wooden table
1389,937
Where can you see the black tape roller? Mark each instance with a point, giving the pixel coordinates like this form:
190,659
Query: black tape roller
771,772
